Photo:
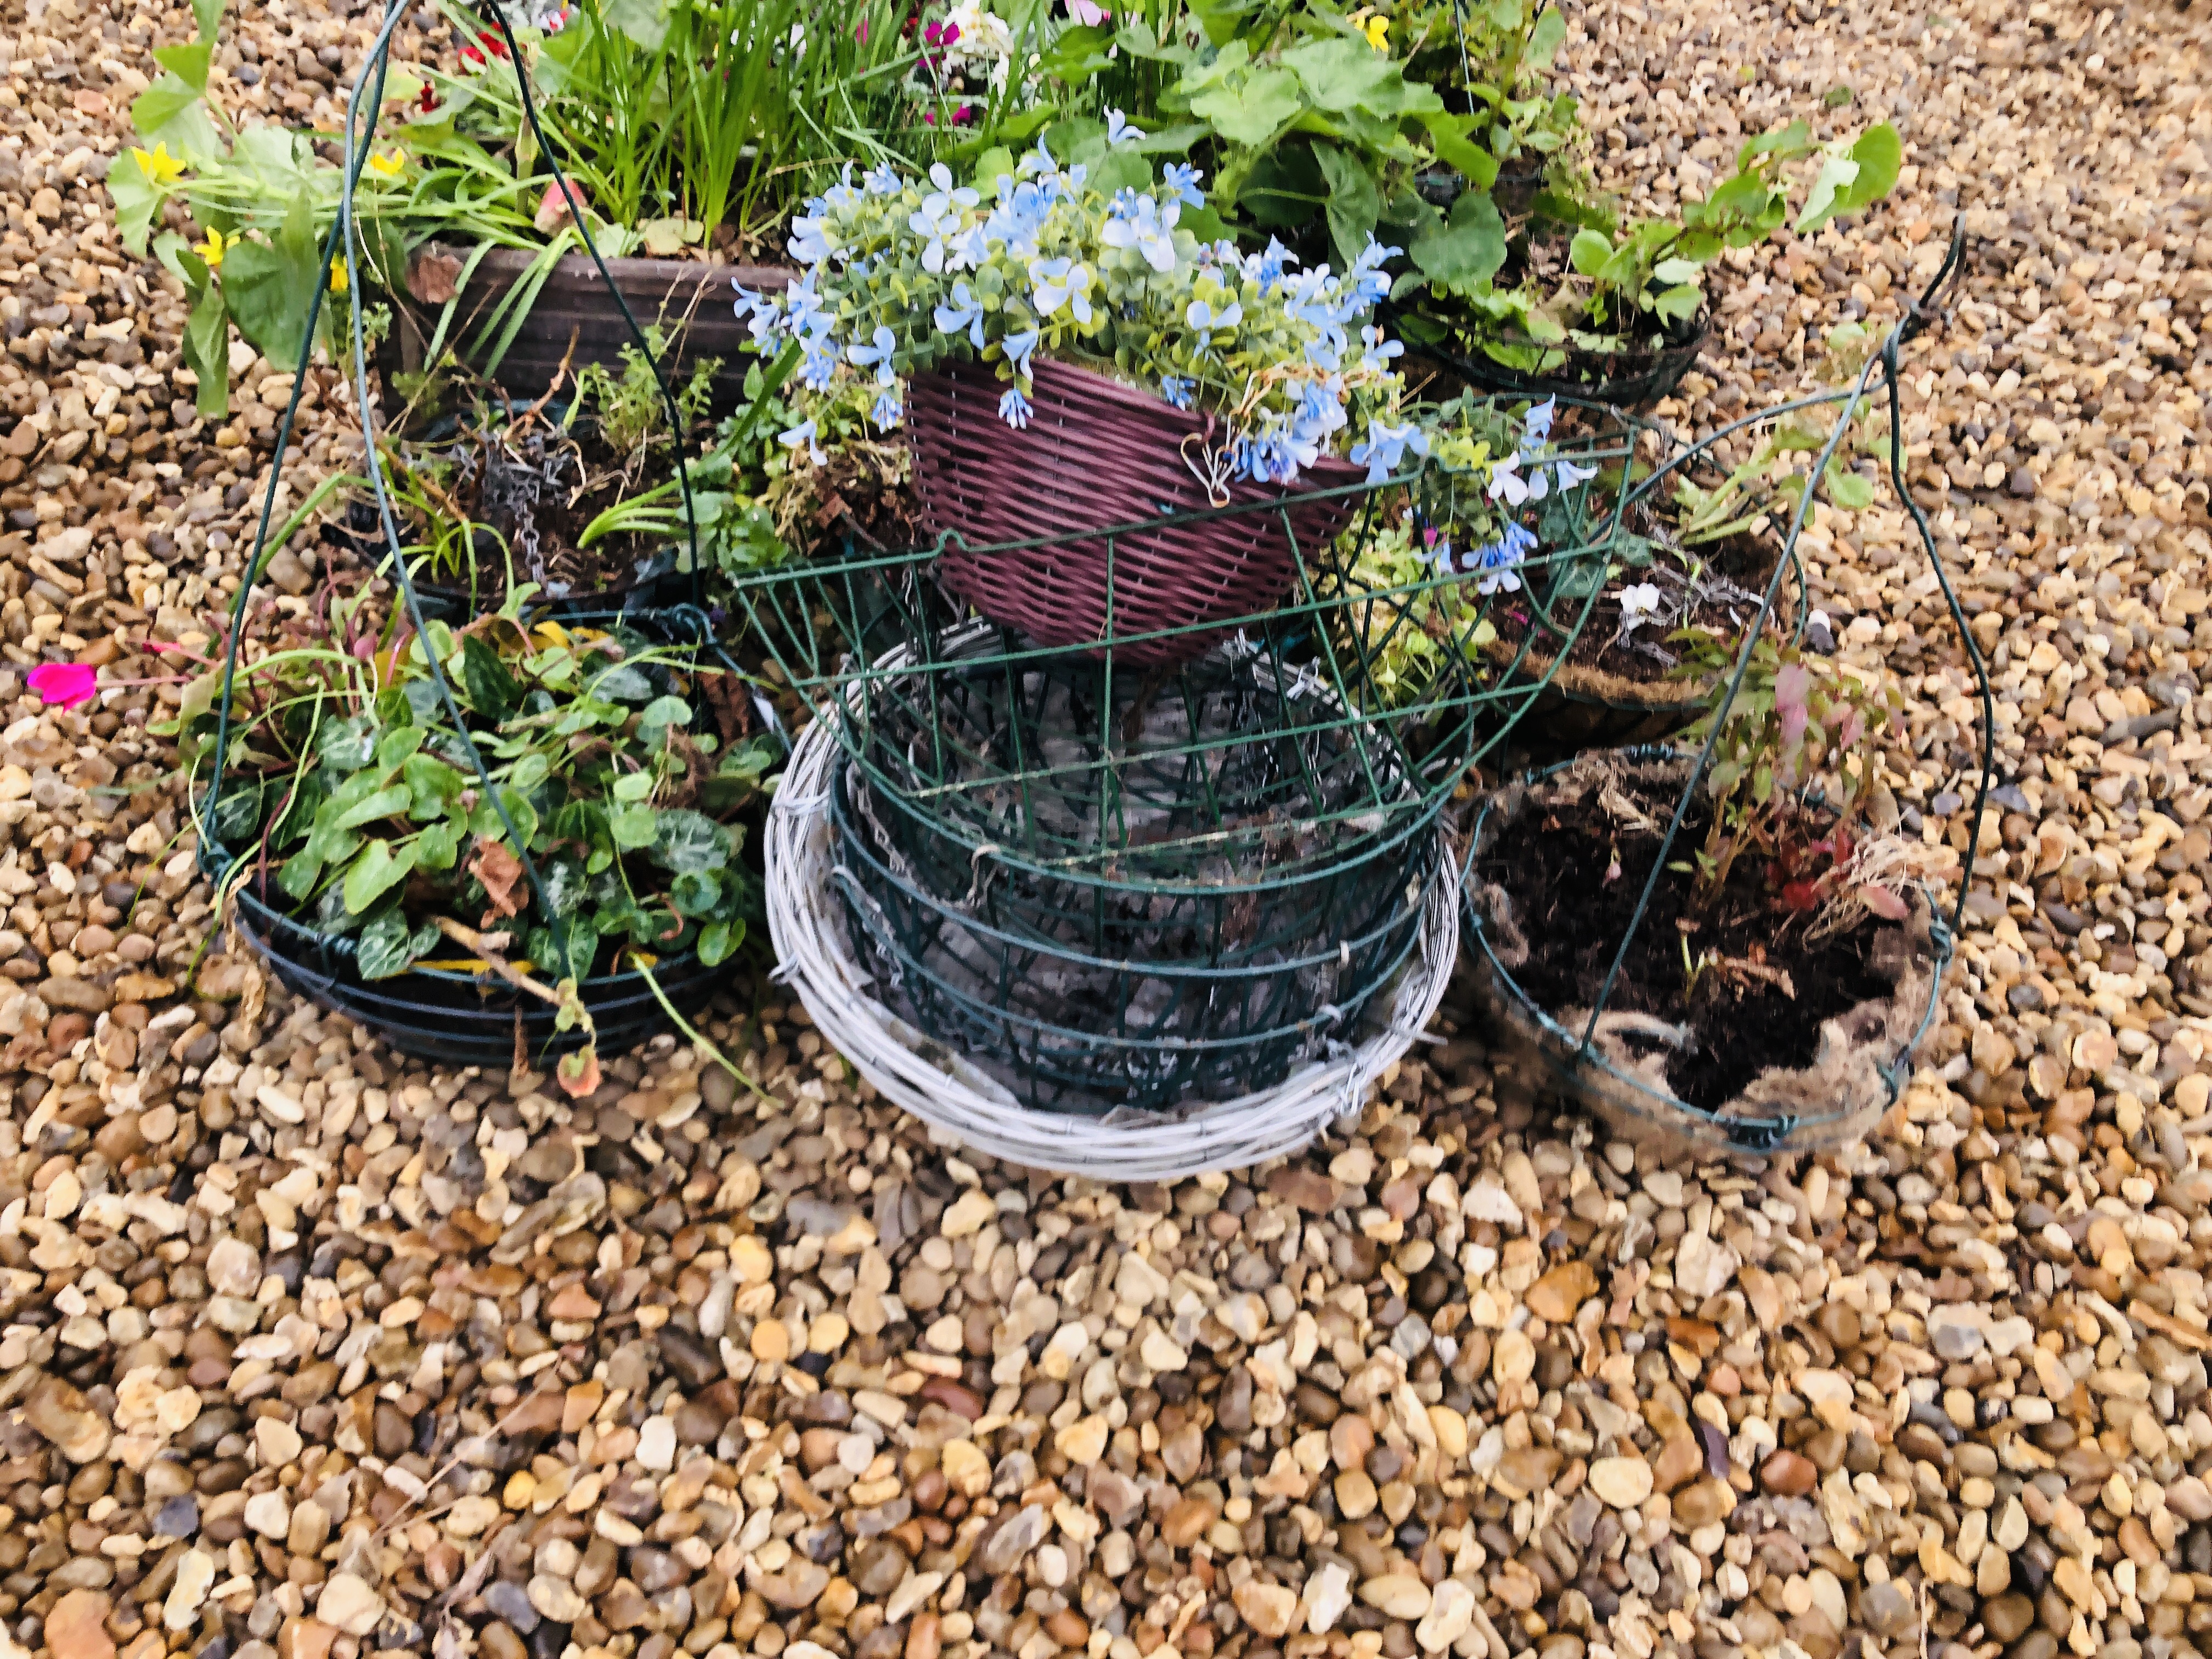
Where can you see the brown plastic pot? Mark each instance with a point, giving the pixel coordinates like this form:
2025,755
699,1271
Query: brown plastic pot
1098,454
693,301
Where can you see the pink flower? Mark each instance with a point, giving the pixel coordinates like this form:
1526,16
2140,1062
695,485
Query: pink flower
1089,13
68,683
962,115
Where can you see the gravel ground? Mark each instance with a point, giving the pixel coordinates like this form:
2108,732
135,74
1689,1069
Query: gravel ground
302,1346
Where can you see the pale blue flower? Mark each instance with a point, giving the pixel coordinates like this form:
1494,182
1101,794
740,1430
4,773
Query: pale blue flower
964,312
1019,347
1377,351
1384,449
810,241
760,314
878,355
947,193
1182,179
1367,282
817,367
1571,475
1014,408
1497,564
883,180
937,224
1176,390
803,434
1118,130
1536,426
1136,222
1269,267
1060,283
887,412
1205,319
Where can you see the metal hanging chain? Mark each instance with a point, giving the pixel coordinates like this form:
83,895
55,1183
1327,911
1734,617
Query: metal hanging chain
1918,313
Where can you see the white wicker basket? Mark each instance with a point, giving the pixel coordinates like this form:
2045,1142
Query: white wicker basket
818,960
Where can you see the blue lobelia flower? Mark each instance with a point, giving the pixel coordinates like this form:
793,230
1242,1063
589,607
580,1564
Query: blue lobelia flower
1060,283
817,367
1118,130
1376,351
1367,282
1135,220
1182,179
1014,408
966,312
1385,445
1269,267
1536,426
878,354
803,434
842,196
882,180
1205,319
1019,347
761,315
1176,390
887,413
802,304
1497,564
810,241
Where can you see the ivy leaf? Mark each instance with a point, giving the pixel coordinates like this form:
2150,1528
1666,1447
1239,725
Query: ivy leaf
624,685
381,804
687,841
1471,250
300,876
387,946
1848,182
1256,111
566,949
397,744
1589,253
171,111
188,63
375,872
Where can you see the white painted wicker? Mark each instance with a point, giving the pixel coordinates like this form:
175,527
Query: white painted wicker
954,1097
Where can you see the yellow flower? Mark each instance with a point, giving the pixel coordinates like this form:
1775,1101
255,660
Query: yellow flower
1377,30
212,250
388,165
338,273
158,165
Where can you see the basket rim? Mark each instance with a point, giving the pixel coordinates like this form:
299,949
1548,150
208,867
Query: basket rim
959,1101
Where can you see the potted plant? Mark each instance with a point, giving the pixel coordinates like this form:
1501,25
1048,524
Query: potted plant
527,848
1771,991
1064,360
1572,304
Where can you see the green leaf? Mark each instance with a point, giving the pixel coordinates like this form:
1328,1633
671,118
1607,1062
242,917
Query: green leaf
208,13
1354,203
645,22
623,684
1471,250
566,949
993,165
300,876
397,744
387,946
632,825
188,63
1589,253
170,112
207,349
1848,490
688,841
1786,142
272,285
437,846
1546,39
383,804
136,199
1448,138
491,690
1677,269
695,893
1838,174
1256,111
632,785
375,872
1879,154
717,939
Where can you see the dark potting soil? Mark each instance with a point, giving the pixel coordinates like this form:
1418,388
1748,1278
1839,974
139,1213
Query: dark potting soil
1553,862
1746,560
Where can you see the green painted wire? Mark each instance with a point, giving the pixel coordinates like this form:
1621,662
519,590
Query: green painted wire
1914,321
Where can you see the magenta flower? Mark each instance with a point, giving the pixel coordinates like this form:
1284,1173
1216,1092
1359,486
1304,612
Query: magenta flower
68,683
1791,688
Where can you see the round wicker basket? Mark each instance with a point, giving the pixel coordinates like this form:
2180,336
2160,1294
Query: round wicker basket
1105,464
956,1098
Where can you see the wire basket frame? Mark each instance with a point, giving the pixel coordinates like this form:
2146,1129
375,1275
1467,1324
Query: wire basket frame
1175,971
831,625
965,1104
442,1023
1573,1055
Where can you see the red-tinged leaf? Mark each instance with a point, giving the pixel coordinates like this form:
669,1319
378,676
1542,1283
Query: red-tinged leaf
578,1074
1800,895
498,870
1890,907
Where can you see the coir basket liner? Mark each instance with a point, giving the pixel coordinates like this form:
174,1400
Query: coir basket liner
1061,519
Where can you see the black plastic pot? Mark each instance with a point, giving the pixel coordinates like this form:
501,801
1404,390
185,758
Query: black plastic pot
1618,379
468,1019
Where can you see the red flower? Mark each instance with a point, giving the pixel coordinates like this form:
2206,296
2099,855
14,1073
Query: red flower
428,100
492,43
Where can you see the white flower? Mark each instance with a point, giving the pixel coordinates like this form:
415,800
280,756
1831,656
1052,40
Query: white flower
1640,604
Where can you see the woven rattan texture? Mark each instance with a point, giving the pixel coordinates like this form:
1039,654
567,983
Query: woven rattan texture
968,1107
1097,453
